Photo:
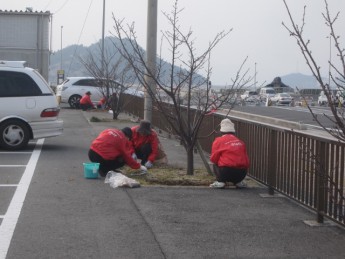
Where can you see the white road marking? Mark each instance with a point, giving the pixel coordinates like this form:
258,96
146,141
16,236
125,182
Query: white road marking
10,219
12,165
16,153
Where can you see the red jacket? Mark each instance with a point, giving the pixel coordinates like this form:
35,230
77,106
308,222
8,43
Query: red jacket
112,143
229,151
138,140
86,100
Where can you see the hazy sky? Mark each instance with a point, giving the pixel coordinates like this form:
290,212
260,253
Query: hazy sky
257,29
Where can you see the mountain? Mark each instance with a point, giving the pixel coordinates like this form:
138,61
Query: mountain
69,59
299,80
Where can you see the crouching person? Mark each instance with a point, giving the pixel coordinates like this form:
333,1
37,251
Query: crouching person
144,143
229,156
111,150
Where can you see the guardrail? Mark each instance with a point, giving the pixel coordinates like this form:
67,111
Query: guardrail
306,167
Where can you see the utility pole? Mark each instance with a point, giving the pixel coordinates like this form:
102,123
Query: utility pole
61,50
103,25
151,51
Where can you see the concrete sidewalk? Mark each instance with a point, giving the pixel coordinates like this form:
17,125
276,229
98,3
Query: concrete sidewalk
234,223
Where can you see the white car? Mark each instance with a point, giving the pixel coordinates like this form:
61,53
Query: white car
322,99
73,88
248,94
267,92
282,98
28,106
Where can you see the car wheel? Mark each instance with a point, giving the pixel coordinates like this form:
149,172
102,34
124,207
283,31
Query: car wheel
73,101
14,135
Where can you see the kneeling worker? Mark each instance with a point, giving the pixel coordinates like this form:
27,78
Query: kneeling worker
144,143
111,150
229,156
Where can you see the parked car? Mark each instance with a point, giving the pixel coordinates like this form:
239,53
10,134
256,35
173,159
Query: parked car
248,94
267,92
28,106
282,98
73,88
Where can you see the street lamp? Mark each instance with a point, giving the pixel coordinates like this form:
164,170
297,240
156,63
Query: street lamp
255,77
61,50
330,60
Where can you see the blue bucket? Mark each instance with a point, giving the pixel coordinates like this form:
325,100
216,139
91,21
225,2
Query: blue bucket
91,170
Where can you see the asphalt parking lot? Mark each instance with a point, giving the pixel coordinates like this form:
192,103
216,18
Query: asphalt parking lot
64,215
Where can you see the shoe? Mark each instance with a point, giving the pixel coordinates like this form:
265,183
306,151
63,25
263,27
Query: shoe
218,185
137,173
241,185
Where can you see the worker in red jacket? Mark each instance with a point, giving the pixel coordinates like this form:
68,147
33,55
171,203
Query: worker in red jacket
144,143
85,102
229,156
111,150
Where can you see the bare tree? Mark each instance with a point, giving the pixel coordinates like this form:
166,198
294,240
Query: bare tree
316,157
337,76
190,96
113,74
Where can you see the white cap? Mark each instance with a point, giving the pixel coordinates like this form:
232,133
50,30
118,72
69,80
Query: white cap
227,126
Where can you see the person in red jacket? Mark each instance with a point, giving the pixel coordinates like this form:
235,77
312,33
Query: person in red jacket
144,143
85,102
102,103
111,150
229,156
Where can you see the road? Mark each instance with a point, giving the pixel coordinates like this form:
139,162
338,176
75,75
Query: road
296,114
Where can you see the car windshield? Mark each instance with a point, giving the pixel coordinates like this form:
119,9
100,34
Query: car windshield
269,91
284,95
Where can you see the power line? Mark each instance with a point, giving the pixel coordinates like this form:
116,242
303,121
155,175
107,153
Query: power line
63,5
81,32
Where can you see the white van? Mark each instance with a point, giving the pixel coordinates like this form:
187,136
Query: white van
267,92
28,106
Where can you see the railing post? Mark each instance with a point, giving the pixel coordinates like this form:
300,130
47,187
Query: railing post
321,180
271,176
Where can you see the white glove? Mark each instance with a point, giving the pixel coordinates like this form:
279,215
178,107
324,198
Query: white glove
134,156
148,164
143,168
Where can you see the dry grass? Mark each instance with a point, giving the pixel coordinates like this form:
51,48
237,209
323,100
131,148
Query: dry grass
167,175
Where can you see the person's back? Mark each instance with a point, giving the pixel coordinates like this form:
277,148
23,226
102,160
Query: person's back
229,157
230,151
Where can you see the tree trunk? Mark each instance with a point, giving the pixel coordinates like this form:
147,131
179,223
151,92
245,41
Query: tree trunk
115,115
190,161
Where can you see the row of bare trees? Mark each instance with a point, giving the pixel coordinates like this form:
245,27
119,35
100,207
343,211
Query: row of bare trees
179,82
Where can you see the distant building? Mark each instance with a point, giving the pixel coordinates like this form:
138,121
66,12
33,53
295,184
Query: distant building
25,36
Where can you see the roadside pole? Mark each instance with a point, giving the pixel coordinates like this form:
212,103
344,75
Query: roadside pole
151,50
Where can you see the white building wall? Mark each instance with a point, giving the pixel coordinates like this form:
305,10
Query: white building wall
25,36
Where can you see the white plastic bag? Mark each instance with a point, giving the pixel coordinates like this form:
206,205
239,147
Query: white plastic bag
119,180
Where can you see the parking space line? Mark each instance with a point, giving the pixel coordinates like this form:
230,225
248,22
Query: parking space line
10,219
12,165
16,153
8,185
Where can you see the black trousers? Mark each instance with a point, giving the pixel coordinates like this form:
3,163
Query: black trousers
85,107
228,174
105,165
144,152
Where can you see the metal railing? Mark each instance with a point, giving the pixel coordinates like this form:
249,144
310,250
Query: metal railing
309,169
